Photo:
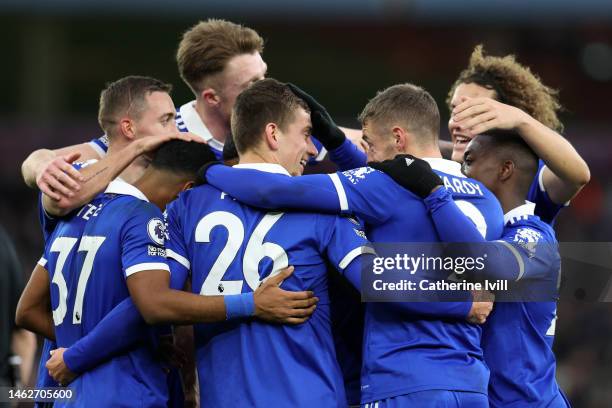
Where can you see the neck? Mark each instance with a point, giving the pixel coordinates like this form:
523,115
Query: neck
135,169
256,156
156,188
218,127
430,152
509,198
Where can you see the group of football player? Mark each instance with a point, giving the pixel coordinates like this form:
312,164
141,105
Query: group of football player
148,233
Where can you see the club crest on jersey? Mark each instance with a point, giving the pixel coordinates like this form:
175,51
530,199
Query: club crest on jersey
157,231
356,175
528,239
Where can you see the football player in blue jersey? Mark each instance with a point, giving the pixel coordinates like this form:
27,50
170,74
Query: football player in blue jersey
498,92
419,354
518,336
137,113
228,248
121,235
217,59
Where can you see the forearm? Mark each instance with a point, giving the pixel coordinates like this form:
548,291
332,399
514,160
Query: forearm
178,307
451,223
560,157
348,156
117,332
33,165
448,310
96,178
37,321
275,191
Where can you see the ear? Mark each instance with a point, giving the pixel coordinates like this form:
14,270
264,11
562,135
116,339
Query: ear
506,170
271,134
400,137
210,97
127,128
188,185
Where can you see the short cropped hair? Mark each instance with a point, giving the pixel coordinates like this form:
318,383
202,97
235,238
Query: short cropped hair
266,101
206,48
406,104
182,157
126,97
509,145
514,84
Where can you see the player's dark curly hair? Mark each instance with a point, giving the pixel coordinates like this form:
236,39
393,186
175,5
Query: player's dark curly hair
514,84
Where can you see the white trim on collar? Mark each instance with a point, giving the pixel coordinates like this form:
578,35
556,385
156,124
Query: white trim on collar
520,212
267,167
118,186
445,166
194,124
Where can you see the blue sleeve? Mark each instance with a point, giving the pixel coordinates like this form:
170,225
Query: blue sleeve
451,223
273,191
545,208
347,156
510,258
534,253
343,241
47,222
116,333
439,310
142,240
176,250
100,145
367,193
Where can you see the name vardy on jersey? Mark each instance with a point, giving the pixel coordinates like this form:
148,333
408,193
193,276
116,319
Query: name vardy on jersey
462,186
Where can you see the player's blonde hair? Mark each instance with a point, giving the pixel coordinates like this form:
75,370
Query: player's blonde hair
206,48
514,84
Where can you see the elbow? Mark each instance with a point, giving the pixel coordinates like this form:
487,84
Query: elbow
23,318
152,314
585,177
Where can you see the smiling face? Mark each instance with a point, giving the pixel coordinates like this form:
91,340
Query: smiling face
295,146
459,138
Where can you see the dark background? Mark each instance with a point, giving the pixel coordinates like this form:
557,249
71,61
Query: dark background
57,56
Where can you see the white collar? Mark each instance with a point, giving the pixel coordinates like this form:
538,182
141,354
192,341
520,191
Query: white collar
267,167
445,166
118,186
520,212
194,124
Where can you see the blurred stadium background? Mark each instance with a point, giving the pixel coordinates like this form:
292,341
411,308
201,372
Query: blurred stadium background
59,54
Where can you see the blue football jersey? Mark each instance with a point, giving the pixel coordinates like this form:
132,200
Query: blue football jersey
89,256
545,208
401,355
518,336
230,248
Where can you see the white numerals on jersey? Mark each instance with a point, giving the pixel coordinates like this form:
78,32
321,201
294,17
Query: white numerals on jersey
64,245
235,236
474,214
91,246
553,326
254,252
